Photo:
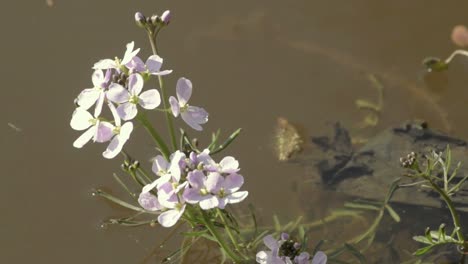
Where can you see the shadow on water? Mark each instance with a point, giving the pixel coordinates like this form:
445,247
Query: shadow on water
251,62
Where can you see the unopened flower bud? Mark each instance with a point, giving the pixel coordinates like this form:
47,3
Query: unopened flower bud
155,19
140,19
166,17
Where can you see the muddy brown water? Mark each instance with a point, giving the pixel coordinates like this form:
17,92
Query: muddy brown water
250,63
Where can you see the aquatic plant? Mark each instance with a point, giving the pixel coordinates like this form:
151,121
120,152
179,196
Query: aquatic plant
433,171
188,185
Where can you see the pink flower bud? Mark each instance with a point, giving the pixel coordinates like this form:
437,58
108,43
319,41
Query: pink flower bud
166,17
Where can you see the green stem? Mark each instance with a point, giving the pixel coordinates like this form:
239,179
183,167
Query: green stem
228,231
157,138
170,123
209,225
453,211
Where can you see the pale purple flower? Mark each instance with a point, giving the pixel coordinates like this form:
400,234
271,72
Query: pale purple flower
147,200
319,258
121,135
174,204
152,66
226,188
275,256
192,115
128,99
169,171
95,95
201,191
225,166
116,64
97,130
271,256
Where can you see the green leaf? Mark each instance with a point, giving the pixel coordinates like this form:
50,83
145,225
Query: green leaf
435,64
254,219
392,213
118,201
423,250
355,253
361,206
391,190
422,239
228,141
276,223
214,140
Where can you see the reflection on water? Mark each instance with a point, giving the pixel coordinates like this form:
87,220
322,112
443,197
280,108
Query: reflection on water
307,61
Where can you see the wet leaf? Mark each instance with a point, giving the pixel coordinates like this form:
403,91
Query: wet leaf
423,250
422,239
435,64
392,213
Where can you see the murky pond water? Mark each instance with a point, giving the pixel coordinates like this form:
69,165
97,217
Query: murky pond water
250,62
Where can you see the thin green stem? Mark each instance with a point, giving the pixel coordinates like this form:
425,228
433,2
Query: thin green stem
209,225
453,211
228,231
170,123
157,138
144,174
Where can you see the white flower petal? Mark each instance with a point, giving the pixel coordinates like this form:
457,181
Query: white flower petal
270,242
117,93
97,78
237,197
115,115
209,202
148,187
99,103
169,218
127,111
161,73
154,63
135,84
105,64
87,98
126,130
149,202
84,138
190,121
81,119
174,106
150,99
114,148
184,90
104,132
160,165
229,165
129,53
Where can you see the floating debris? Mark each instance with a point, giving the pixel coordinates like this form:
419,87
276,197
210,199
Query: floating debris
50,3
14,127
288,140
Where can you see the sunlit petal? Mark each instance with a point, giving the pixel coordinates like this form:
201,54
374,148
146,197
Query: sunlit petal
81,119
150,99
84,138
184,90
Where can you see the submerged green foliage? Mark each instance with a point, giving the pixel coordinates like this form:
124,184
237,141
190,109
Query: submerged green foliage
433,171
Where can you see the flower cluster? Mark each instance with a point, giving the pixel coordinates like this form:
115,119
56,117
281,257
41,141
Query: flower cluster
287,251
193,179
119,84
